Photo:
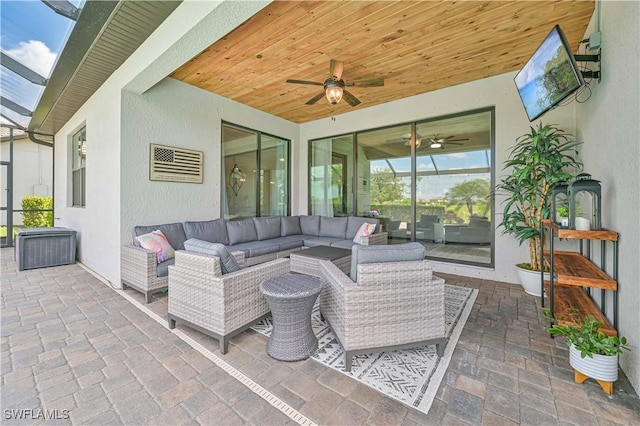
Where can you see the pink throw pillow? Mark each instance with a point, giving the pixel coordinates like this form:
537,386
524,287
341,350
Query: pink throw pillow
365,230
156,241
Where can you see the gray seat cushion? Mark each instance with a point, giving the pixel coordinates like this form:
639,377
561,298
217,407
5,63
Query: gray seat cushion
241,231
333,227
384,253
173,231
290,225
354,223
214,231
267,227
310,225
345,244
163,267
289,242
320,241
228,263
256,248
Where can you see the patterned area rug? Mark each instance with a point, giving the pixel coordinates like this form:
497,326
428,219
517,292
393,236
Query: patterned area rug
411,376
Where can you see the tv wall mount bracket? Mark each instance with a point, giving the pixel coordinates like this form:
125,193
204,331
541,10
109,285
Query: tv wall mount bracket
590,58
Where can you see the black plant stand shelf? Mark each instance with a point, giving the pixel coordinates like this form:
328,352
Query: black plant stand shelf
573,276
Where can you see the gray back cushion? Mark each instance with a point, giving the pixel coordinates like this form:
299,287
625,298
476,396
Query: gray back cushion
384,253
354,223
427,220
267,227
333,227
173,231
241,231
310,225
290,225
214,231
228,263
479,222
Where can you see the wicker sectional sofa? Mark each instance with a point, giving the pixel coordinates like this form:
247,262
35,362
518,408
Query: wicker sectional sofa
255,240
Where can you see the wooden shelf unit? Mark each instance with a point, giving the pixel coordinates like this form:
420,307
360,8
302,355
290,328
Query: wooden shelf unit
573,272
569,299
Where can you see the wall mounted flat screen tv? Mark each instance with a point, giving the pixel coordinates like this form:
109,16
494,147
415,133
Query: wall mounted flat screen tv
549,76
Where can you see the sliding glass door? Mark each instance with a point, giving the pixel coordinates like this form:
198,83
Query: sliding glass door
256,173
274,176
428,181
331,176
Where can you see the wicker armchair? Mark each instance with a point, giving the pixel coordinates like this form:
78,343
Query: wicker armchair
218,305
140,270
393,305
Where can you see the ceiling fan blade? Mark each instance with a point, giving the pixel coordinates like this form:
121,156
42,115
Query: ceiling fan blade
335,69
397,140
456,140
369,82
315,99
350,99
314,83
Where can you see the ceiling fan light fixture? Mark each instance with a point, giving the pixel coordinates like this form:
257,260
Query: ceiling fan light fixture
333,90
436,144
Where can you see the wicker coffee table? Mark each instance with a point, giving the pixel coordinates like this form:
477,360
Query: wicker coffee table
291,298
306,261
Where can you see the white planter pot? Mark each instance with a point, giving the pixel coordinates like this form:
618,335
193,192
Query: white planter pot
600,367
582,224
530,281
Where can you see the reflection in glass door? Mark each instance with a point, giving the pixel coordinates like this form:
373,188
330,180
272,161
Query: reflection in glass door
255,172
274,176
331,176
384,182
428,181
240,165
453,206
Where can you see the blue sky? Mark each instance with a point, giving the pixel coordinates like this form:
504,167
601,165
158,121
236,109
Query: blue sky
535,66
34,35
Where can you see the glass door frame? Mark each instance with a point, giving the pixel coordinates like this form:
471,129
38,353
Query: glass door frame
223,177
8,209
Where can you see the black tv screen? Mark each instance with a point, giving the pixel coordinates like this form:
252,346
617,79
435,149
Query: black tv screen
549,76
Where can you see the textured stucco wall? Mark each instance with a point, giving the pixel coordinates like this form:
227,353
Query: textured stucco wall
177,114
609,125
510,120
193,26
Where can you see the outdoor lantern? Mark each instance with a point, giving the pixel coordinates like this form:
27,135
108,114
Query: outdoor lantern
582,186
236,178
560,205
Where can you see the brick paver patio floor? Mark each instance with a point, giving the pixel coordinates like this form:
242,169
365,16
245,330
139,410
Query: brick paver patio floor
74,348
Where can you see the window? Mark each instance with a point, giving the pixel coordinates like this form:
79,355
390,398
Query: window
78,167
428,181
251,190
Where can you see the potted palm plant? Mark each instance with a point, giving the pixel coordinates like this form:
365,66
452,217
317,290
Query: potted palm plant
592,353
537,162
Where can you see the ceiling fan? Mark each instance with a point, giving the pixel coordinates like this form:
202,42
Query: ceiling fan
438,141
334,86
434,142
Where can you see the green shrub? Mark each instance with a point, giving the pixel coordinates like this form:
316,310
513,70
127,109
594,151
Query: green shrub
34,219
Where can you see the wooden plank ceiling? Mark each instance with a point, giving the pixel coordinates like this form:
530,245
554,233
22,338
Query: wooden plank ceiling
417,47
